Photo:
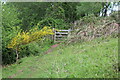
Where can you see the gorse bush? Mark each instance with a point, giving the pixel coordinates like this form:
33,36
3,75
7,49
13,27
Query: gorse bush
23,38
24,44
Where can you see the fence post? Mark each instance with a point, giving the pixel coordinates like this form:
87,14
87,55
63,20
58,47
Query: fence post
54,36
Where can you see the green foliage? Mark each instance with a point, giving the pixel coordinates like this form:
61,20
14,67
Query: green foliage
31,13
31,49
55,16
8,55
55,11
70,11
10,28
53,23
36,48
46,13
9,16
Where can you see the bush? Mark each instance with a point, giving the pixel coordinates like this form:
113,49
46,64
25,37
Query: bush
115,16
8,55
36,48
91,18
30,49
23,38
24,44
16,42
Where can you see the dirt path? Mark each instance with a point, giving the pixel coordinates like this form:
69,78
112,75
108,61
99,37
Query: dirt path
51,49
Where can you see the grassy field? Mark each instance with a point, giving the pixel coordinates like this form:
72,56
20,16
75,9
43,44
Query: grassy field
94,59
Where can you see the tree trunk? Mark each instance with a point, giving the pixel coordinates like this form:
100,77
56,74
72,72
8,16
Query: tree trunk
105,12
17,55
105,8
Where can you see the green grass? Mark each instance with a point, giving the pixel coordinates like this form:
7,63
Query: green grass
94,59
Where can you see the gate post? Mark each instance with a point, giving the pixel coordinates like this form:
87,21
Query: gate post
54,36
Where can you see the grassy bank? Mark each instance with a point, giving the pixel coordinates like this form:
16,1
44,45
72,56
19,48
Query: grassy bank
94,59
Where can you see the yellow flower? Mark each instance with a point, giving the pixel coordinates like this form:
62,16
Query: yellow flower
27,37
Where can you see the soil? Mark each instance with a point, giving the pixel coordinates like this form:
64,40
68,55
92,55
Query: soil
51,49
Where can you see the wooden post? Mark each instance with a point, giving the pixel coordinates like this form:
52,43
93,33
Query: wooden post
55,36
68,34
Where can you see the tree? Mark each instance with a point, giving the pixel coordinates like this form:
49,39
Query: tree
70,11
9,16
85,8
55,11
31,13
105,5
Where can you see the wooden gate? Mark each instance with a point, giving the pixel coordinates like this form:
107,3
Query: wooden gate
61,35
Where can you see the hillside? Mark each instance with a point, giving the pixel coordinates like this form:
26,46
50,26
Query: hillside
60,40
94,59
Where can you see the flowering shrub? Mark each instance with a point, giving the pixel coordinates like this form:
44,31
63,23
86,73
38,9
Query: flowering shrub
23,38
34,34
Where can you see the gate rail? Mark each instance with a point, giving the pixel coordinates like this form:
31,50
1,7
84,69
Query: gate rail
61,35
